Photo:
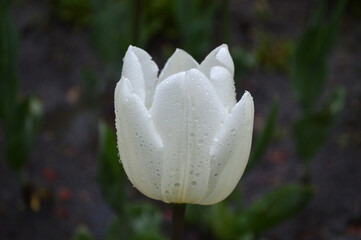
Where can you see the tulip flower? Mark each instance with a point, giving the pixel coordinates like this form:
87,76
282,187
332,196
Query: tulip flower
182,137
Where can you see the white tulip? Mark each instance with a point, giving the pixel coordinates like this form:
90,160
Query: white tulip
182,137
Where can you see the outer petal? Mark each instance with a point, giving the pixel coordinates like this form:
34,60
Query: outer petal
142,72
139,144
230,151
218,57
187,115
178,62
223,82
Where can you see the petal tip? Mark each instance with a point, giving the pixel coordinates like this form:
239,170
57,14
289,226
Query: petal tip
247,95
224,45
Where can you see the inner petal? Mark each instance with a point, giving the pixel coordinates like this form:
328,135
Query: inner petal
220,56
178,62
187,114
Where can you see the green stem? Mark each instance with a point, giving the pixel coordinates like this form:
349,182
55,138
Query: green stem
177,221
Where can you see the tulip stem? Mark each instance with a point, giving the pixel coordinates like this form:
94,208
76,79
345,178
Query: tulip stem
177,221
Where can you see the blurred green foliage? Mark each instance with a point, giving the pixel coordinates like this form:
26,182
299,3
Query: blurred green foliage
20,117
195,20
312,128
9,83
355,7
275,207
309,71
77,13
142,222
116,24
21,131
309,66
111,29
272,54
82,233
227,220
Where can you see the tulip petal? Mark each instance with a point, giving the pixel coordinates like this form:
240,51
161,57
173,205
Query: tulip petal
218,57
230,151
180,61
139,144
223,82
187,114
142,73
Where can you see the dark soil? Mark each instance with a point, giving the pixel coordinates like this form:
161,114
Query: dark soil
64,159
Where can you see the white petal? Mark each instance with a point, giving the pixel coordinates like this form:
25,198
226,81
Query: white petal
142,72
223,82
180,61
139,144
187,114
218,57
230,151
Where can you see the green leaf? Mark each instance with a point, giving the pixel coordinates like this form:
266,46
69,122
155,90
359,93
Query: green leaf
223,222
111,175
312,129
111,29
21,132
82,233
119,229
20,119
264,138
243,61
275,207
141,221
9,82
309,64
146,222
195,23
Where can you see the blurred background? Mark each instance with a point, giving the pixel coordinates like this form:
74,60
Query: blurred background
59,63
